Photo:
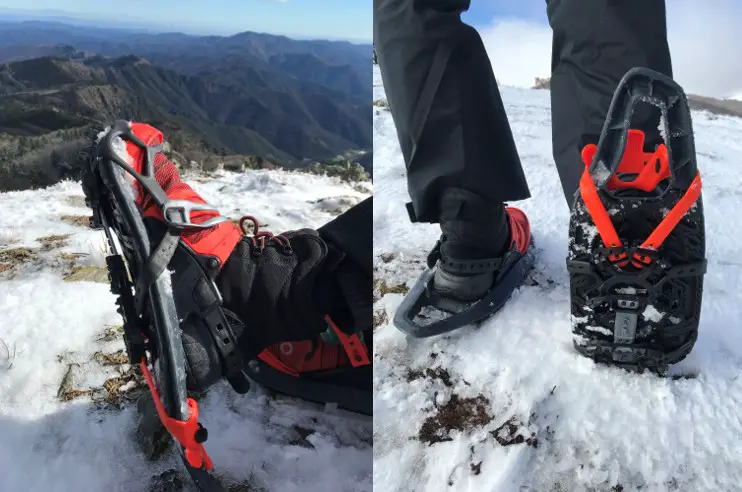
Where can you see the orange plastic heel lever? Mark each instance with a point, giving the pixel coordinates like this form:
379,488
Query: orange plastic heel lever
190,434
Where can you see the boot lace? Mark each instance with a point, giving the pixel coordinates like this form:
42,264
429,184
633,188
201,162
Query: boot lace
259,238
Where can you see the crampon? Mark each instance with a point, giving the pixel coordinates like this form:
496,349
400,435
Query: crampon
637,245
155,309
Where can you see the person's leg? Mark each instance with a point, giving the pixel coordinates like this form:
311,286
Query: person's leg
352,280
450,119
461,159
595,42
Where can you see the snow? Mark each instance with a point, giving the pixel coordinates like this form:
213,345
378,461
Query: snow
47,324
595,428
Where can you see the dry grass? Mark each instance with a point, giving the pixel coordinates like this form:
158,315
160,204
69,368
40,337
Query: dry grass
87,274
117,358
55,241
381,288
380,318
77,220
71,256
124,386
15,257
111,333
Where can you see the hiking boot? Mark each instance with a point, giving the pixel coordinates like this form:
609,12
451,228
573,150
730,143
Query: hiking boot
478,246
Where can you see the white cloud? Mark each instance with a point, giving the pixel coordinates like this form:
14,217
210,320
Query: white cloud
705,39
519,51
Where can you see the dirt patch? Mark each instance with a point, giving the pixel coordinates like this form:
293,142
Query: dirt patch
12,258
77,220
476,468
381,103
458,414
87,274
380,318
67,390
113,359
122,388
387,257
382,288
511,433
111,333
437,373
301,437
55,241
167,481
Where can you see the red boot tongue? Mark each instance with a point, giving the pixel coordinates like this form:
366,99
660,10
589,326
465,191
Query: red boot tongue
638,170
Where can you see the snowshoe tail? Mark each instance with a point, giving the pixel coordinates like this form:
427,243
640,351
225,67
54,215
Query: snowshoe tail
637,243
151,306
335,373
425,313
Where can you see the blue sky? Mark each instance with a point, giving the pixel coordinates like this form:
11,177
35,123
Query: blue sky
332,19
484,12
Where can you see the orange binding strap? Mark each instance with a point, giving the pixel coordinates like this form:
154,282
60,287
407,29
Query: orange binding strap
353,346
649,176
183,432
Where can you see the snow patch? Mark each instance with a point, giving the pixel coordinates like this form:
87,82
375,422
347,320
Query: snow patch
652,314
598,428
51,445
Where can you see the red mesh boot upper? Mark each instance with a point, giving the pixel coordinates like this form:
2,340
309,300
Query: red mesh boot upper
217,241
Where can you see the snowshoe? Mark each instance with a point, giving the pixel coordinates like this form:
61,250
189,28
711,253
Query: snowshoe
333,369
637,244
155,309
424,312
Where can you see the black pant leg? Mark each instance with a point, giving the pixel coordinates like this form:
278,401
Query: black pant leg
595,42
443,96
352,233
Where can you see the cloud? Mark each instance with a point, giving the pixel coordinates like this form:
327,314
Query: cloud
518,50
704,40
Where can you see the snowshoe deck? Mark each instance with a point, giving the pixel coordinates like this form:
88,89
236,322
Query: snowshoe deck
449,314
637,249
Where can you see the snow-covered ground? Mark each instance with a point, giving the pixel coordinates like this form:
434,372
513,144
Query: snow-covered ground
48,325
510,406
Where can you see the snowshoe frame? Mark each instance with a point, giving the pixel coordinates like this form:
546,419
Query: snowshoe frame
145,294
423,295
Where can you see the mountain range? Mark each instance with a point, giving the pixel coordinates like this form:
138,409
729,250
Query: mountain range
288,101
